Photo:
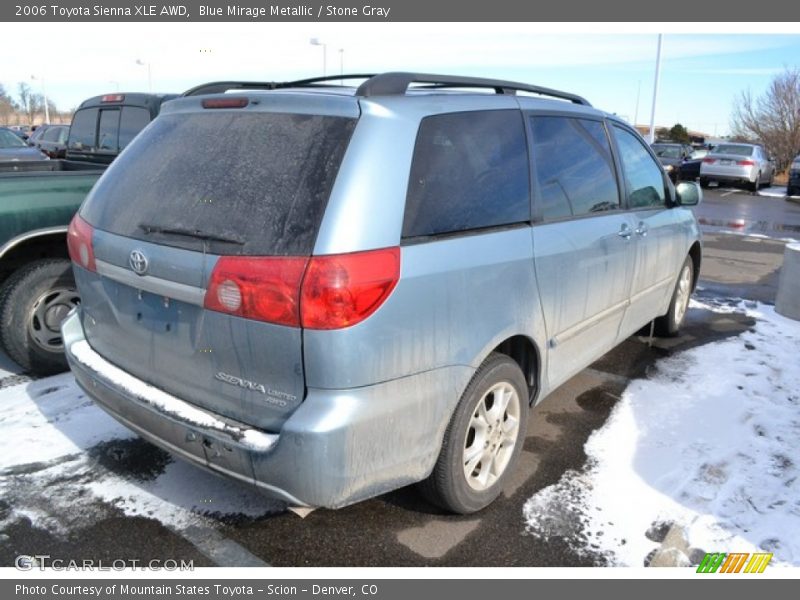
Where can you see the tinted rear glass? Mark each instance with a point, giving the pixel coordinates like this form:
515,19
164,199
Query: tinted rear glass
108,130
262,179
132,121
470,171
83,130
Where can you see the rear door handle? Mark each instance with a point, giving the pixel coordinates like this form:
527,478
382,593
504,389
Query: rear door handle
625,232
641,230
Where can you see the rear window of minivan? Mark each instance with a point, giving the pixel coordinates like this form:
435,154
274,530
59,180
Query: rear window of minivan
251,183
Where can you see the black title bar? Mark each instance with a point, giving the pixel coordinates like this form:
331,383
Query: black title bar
400,11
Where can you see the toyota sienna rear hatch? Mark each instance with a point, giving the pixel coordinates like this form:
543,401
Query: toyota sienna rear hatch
198,237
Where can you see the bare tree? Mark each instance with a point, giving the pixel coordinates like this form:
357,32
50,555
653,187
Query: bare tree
772,119
30,103
7,106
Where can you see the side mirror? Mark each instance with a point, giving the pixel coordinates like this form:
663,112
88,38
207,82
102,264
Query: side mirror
688,193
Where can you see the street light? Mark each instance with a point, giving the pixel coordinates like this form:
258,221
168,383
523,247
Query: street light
341,64
141,63
316,42
44,94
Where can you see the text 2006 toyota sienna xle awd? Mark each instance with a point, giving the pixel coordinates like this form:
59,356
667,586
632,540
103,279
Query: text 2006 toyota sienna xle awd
331,292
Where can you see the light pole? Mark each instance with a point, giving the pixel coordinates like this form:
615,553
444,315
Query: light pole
44,95
652,136
316,42
141,63
638,94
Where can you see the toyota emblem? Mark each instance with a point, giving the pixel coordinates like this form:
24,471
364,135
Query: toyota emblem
138,262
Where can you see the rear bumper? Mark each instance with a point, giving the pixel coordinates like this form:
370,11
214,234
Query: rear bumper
734,174
338,447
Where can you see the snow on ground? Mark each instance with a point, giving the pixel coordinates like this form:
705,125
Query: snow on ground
65,464
761,236
777,191
710,442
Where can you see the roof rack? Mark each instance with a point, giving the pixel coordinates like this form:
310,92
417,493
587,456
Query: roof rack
390,84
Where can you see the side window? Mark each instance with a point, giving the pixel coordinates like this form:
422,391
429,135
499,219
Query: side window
573,167
642,174
83,130
108,131
469,171
132,121
51,134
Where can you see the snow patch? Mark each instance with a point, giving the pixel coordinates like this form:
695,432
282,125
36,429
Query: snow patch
773,192
66,465
710,442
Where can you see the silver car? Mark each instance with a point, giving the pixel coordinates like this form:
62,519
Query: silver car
341,291
746,164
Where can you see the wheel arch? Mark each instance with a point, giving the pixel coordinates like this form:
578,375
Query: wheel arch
524,351
696,254
48,242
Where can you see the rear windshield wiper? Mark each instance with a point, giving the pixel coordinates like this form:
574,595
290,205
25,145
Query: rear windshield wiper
193,233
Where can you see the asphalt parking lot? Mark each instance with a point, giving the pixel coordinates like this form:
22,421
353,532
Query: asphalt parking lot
58,511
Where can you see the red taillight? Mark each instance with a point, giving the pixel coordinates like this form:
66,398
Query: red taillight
342,290
745,163
225,102
262,288
322,292
709,161
79,243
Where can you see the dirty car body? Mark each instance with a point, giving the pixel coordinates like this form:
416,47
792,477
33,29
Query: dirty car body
302,303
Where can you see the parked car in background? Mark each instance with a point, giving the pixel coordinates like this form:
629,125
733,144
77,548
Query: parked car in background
14,148
744,164
53,141
677,160
35,134
22,131
246,307
793,183
37,201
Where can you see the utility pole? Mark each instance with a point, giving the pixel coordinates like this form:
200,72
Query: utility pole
652,136
44,95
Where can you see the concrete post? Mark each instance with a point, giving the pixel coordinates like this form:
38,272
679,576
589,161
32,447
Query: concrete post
787,301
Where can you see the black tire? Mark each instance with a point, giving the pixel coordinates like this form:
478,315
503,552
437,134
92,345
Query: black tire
790,191
703,182
669,325
756,184
33,301
448,486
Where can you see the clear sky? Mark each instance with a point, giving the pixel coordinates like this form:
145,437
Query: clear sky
701,72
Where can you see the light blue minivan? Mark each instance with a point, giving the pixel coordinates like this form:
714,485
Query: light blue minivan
330,292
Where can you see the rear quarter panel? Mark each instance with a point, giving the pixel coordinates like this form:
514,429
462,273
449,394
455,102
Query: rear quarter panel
456,300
